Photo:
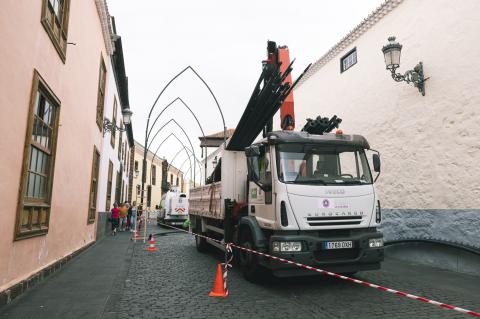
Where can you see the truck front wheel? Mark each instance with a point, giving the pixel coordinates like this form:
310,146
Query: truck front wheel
252,271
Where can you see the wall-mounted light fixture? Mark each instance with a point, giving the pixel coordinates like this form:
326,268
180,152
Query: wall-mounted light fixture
109,126
391,52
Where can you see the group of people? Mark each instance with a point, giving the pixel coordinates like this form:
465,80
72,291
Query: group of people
124,217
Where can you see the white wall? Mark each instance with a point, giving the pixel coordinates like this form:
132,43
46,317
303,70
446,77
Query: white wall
109,153
430,145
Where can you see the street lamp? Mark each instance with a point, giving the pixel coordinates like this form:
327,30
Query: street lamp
109,126
391,52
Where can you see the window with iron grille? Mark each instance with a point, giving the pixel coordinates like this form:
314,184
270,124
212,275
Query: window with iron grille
348,60
33,213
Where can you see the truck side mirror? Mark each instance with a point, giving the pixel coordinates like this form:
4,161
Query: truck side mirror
376,163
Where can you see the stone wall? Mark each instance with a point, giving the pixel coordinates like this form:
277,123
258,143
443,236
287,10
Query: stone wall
103,225
460,226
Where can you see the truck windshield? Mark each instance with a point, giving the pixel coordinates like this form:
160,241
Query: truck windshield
322,165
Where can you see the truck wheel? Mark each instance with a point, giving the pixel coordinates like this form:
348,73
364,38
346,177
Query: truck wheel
200,242
252,271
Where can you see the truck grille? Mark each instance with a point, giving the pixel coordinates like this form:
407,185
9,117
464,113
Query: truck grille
334,220
336,254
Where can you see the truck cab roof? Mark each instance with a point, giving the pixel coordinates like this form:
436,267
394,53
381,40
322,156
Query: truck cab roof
277,137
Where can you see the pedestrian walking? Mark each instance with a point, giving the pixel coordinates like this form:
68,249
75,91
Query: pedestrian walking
115,218
123,217
129,216
133,216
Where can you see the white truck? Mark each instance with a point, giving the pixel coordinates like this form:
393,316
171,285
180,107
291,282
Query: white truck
308,198
174,207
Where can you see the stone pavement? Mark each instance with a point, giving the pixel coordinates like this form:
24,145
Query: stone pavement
174,282
87,287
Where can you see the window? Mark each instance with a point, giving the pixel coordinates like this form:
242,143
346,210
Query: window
348,60
171,180
92,207
113,131
154,175
102,77
122,193
138,190
118,188
125,153
176,184
33,213
108,203
149,195
322,165
136,166
55,22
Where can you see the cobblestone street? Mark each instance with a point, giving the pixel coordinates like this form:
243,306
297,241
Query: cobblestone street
174,282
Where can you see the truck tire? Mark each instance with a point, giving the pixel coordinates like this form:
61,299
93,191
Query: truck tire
252,270
200,242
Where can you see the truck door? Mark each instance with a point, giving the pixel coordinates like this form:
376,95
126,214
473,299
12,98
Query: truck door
260,203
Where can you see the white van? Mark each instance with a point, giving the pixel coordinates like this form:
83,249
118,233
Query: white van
174,208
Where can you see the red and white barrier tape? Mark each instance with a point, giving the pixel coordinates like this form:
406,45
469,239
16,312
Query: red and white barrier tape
332,274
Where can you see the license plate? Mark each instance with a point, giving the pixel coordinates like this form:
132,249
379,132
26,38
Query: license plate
338,244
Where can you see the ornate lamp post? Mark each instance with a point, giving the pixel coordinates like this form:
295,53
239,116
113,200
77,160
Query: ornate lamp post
109,126
392,52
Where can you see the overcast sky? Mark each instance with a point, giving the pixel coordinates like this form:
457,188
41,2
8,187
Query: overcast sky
225,41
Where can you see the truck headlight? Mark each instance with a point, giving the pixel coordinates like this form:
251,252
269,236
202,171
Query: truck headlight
286,246
375,242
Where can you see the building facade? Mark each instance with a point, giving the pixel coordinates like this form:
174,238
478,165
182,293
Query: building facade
58,82
429,144
160,176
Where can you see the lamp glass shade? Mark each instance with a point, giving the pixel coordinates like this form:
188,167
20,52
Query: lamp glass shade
391,53
127,116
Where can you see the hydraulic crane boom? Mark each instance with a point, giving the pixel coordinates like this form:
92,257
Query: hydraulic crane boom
280,57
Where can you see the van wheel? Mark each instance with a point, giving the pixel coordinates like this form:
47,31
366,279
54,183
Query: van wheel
252,270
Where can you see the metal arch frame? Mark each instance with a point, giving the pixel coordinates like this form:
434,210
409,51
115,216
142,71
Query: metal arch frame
167,106
189,158
186,149
155,155
144,172
191,153
168,84
188,138
191,112
180,141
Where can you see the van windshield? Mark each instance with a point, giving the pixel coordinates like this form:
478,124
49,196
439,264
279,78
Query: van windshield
322,165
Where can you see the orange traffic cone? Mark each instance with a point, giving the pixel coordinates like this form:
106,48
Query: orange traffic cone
219,289
151,246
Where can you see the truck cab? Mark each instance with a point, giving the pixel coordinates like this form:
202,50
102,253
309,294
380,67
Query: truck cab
312,199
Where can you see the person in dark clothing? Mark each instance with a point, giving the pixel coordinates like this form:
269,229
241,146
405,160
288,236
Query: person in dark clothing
129,216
